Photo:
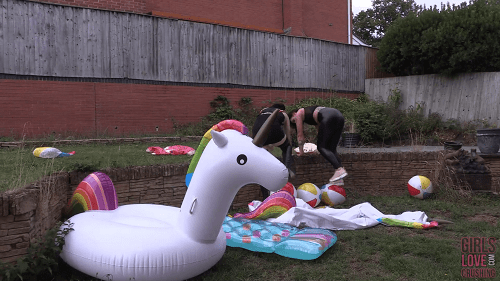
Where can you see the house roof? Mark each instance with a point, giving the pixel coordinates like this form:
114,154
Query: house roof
357,41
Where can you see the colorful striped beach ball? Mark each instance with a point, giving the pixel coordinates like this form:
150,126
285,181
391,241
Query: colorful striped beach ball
310,193
420,187
332,194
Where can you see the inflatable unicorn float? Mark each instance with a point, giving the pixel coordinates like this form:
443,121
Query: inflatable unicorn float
156,242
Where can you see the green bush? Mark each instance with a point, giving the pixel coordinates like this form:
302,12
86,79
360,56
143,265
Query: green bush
379,121
452,40
42,260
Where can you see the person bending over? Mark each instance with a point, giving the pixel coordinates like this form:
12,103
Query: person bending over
330,124
279,136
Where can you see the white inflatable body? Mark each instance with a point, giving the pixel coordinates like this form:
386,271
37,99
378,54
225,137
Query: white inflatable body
137,241
155,242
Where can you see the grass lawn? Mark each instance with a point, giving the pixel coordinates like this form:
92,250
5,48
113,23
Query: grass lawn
19,167
376,253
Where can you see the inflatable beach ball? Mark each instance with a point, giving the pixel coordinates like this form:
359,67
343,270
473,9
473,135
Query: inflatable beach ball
420,187
310,193
332,194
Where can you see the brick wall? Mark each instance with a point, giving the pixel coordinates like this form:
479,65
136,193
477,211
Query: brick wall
263,15
135,6
40,108
325,19
26,213
321,19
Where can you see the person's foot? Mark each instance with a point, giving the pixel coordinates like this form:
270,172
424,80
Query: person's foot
338,182
340,173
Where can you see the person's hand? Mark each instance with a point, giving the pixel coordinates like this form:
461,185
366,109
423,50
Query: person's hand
298,153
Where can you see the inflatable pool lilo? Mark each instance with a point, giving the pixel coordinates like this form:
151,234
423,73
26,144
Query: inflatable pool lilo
279,238
51,152
156,242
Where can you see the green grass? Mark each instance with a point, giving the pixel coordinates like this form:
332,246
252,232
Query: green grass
19,167
380,252
376,253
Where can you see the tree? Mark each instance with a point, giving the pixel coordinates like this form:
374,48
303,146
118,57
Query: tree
401,51
456,39
371,25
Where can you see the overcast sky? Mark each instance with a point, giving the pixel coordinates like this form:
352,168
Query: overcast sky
360,5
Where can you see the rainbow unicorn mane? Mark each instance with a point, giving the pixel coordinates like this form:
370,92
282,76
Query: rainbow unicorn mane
219,127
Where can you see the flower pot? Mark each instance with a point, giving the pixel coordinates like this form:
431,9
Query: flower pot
351,139
488,140
451,145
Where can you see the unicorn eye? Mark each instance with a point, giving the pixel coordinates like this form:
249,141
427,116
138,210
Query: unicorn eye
242,159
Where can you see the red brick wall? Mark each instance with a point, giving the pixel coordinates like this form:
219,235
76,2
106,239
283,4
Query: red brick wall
37,108
319,14
307,18
136,6
256,14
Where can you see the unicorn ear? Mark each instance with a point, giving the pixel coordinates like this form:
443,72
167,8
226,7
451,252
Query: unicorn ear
219,139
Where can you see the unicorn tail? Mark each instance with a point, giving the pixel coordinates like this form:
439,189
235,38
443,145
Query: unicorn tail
274,206
95,192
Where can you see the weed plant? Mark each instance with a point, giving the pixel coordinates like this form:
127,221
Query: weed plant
245,112
42,260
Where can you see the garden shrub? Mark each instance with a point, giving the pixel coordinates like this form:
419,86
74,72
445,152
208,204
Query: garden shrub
455,39
42,260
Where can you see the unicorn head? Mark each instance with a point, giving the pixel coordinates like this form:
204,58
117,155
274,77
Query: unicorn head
230,161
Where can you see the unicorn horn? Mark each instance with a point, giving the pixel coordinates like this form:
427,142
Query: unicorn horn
261,136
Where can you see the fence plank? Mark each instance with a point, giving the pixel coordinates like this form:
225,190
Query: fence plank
115,45
10,42
103,40
3,34
20,33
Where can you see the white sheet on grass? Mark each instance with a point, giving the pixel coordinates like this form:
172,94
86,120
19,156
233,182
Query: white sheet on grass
360,216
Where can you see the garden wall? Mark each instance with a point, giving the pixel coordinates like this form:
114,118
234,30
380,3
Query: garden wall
465,97
26,213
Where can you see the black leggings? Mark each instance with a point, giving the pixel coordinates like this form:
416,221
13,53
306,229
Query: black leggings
276,134
331,125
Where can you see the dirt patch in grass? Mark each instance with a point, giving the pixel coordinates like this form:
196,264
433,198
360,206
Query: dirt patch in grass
491,219
439,214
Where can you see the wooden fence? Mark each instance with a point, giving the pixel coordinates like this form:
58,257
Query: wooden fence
62,41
